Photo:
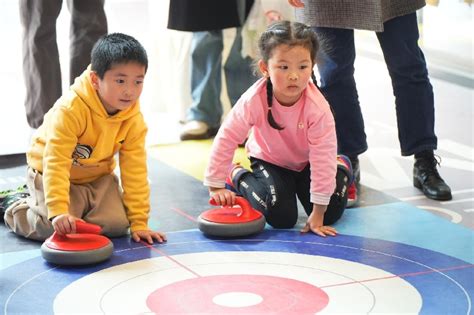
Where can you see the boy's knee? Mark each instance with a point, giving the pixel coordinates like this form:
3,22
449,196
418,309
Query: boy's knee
115,228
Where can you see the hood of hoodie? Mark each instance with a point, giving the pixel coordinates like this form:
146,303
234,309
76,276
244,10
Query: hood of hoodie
84,89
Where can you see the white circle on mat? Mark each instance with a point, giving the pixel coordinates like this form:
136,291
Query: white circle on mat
237,299
351,287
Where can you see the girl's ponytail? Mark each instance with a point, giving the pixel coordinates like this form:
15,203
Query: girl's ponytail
270,118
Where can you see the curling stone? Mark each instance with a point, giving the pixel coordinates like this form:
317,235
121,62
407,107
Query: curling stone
233,221
84,247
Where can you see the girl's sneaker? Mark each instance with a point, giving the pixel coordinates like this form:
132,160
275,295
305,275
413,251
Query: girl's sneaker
352,196
353,191
344,163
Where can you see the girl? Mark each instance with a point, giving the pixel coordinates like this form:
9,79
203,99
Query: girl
292,146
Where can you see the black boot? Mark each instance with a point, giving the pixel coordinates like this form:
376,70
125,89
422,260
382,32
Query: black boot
427,178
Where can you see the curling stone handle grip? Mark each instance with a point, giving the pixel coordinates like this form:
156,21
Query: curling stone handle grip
81,227
241,201
89,228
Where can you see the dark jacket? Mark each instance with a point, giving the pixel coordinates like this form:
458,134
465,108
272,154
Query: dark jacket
207,15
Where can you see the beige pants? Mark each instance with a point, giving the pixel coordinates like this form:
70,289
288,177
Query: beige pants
99,202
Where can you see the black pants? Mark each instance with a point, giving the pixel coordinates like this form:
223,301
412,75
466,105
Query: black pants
273,191
412,89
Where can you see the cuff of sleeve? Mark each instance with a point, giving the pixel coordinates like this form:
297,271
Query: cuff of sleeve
210,182
320,199
55,210
138,226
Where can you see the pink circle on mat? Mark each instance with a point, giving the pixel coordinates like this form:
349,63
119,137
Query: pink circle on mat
275,296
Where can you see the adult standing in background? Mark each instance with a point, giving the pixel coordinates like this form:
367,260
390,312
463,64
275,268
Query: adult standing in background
41,67
207,19
395,24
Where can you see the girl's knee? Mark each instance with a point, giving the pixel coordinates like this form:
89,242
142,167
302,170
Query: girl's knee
281,222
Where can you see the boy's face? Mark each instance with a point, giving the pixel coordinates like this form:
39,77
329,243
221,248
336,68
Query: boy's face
121,86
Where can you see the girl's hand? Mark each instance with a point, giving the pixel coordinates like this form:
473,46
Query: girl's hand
321,230
296,3
315,223
222,196
148,236
65,224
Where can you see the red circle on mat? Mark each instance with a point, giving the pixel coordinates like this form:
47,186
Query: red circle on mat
276,296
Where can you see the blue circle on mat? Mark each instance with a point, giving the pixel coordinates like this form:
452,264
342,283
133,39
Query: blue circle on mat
444,283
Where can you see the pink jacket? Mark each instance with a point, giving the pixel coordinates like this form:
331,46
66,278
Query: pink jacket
309,135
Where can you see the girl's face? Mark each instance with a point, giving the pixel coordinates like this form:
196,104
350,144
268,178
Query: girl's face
289,69
121,86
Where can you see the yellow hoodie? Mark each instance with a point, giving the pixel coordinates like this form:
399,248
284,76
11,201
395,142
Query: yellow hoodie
77,142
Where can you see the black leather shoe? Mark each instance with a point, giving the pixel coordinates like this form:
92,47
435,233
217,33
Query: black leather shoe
427,178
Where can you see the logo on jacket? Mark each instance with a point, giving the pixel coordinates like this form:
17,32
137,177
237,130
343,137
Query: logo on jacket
82,151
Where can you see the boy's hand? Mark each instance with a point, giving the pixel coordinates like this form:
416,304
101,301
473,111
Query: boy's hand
222,196
65,224
315,223
148,236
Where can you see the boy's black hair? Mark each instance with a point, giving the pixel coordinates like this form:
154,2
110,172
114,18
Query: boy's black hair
116,48
291,34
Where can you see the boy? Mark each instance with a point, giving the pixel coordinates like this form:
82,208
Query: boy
71,159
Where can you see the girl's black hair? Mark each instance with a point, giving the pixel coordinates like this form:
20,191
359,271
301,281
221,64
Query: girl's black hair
116,48
290,34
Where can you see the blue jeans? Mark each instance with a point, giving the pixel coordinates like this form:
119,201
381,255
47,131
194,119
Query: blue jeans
411,86
206,61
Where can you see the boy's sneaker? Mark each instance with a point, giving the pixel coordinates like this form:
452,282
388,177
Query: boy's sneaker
8,197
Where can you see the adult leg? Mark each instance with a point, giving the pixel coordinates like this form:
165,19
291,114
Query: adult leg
206,61
41,69
411,85
88,24
271,190
336,66
414,102
238,70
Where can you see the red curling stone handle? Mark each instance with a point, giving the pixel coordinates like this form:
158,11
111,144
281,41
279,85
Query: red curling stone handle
242,202
86,238
232,215
81,228
84,227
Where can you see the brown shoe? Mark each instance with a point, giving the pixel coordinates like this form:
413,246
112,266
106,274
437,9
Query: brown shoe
197,130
